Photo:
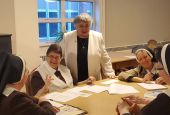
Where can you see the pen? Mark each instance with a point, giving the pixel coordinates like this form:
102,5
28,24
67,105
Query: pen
53,100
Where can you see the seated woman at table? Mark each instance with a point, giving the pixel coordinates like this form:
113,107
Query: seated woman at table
50,75
133,105
145,71
13,75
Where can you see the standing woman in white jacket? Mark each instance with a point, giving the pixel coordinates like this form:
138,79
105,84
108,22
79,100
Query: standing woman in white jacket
85,53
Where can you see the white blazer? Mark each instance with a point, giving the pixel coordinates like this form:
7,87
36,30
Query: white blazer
98,58
57,84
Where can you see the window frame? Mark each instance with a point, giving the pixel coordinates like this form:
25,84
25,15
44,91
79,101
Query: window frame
64,20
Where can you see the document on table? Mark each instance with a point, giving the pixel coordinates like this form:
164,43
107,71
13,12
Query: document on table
96,88
70,110
121,89
66,109
61,97
110,81
152,94
151,86
76,91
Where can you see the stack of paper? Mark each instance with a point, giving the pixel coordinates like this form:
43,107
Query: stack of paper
121,89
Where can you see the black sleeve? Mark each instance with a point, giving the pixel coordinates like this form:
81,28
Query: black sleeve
22,104
129,79
159,106
36,83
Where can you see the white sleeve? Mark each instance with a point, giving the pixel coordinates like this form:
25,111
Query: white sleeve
105,59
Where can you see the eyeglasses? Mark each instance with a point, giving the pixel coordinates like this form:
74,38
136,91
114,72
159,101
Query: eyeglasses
54,57
83,25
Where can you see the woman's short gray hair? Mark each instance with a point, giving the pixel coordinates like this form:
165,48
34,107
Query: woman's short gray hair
84,17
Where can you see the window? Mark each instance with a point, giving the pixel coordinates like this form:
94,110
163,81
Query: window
56,17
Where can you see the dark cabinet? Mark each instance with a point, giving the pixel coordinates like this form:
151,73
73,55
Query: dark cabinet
5,43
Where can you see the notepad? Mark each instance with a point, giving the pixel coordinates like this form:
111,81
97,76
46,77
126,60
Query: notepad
151,86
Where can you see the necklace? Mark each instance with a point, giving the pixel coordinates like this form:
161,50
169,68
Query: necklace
83,43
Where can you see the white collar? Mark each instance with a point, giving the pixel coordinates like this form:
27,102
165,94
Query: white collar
8,90
49,67
163,52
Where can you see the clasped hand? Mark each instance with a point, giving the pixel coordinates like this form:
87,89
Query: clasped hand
131,104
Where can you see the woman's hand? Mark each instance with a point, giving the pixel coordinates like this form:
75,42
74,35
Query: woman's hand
91,80
56,109
123,107
135,104
135,99
147,77
48,80
160,80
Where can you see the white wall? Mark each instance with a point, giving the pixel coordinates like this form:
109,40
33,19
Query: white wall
136,21
26,26
7,21
19,17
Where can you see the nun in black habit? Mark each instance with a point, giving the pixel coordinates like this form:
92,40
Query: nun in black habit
161,104
13,75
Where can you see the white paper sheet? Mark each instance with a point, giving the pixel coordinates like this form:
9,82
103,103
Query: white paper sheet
96,88
121,89
151,86
77,92
70,110
61,97
76,89
152,94
110,81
